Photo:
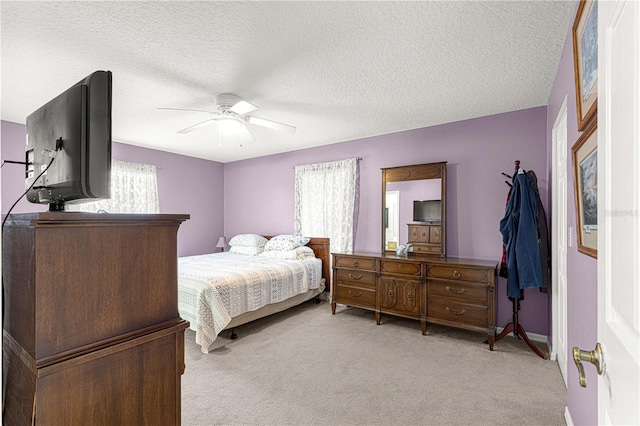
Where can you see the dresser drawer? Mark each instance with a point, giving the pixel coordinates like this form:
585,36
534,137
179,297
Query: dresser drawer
397,267
460,291
362,263
355,296
426,249
356,277
457,312
458,273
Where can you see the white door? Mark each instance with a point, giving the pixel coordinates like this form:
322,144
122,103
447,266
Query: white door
392,219
619,211
559,241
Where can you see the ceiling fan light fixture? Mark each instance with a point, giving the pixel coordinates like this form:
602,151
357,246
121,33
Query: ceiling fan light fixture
229,125
230,118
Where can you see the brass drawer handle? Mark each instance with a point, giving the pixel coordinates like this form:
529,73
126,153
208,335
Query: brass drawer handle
400,266
454,291
390,294
456,313
456,274
351,293
355,264
359,277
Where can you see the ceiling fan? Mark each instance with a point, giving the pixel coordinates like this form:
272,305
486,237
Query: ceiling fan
231,116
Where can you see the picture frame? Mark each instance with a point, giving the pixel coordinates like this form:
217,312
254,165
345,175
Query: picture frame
585,179
585,61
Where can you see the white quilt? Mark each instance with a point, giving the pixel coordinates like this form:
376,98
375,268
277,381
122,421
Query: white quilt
213,288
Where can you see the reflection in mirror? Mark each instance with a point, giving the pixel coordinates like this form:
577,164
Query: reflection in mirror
400,198
392,220
414,208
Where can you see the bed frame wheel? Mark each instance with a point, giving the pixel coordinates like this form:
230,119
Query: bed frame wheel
234,335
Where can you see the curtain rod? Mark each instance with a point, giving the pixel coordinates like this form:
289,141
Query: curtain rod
138,162
357,159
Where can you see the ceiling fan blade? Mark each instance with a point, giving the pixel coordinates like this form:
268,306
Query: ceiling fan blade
184,109
271,124
197,126
243,107
245,134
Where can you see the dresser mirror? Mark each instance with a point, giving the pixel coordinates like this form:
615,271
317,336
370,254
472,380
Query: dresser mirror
414,208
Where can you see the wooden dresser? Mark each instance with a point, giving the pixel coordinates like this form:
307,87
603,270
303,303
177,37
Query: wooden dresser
91,330
450,291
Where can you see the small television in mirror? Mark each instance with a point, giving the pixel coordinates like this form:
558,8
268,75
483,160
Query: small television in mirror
68,150
427,211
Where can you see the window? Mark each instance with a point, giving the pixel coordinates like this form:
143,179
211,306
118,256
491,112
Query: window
325,202
133,190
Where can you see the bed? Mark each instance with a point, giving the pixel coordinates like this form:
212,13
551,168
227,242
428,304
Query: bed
222,291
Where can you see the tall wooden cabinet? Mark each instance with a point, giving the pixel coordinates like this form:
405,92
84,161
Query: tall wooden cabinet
425,238
450,291
91,330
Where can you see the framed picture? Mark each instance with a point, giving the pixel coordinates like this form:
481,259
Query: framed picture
585,61
585,178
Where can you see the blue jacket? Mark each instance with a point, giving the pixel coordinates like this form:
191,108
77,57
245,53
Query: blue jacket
520,234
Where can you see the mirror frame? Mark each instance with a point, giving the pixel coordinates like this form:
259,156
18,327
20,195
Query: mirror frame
418,172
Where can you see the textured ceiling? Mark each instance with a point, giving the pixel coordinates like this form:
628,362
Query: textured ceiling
337,71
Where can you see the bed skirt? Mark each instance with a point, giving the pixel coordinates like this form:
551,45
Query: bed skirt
272,308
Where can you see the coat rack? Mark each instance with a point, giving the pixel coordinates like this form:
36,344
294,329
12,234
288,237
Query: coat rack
515,326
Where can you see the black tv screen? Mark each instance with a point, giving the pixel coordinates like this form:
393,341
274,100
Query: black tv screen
427,211
71,135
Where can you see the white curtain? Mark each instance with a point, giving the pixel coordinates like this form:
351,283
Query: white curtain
325,202
134,189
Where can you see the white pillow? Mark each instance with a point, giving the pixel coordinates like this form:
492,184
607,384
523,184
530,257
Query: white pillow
286,242
251,251
248,240
295,254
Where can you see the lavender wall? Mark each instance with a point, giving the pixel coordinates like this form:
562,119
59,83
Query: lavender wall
582,286
13,143
185,185
259,193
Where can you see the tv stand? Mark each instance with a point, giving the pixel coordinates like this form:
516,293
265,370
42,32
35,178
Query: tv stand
91,329
426,238
56,207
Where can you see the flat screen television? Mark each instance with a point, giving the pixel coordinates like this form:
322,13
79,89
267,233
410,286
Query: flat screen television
427,210
70,138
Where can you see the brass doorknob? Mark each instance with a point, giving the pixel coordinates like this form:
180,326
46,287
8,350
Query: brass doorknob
594,357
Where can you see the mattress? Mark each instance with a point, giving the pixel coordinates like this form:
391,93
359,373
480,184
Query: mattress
214,288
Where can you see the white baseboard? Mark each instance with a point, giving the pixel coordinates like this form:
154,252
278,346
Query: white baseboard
567,417
532,336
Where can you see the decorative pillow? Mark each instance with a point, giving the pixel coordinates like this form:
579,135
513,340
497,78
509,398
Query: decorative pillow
251,251
299,253
248,240
286,242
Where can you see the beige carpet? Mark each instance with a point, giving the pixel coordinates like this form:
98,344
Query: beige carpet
308,367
